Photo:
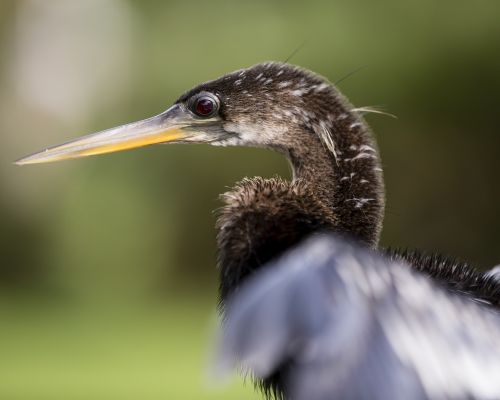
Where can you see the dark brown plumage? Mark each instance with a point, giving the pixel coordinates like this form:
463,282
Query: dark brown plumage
339,190
257,209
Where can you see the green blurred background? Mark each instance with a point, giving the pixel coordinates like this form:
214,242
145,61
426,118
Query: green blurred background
107,275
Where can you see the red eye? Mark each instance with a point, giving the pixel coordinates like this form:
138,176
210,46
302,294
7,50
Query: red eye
205,106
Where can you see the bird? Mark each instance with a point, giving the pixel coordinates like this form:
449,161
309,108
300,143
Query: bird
336,187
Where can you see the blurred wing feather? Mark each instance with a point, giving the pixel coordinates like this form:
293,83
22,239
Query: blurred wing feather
350,323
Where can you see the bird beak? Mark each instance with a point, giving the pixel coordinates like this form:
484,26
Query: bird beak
173,125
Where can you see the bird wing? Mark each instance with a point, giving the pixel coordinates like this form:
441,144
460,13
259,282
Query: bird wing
351,324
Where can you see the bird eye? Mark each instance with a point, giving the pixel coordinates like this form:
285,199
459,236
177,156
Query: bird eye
205,106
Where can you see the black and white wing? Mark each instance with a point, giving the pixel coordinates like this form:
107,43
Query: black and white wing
350,324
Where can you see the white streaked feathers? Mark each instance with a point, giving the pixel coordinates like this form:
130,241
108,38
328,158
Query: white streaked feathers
326,137
373,110
494,273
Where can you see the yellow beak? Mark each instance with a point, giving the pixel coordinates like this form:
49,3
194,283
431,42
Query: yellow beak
162,128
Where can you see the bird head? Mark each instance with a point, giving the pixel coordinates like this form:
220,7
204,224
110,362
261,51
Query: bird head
256,106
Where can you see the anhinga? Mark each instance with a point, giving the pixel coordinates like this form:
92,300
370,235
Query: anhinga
292,323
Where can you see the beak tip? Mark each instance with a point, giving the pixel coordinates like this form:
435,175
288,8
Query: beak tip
32,159
19,162
23,161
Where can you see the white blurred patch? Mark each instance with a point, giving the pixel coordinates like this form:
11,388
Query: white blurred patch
65,62
70,56
494,272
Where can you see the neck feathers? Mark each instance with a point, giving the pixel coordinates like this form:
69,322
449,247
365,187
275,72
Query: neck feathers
336,154
263,218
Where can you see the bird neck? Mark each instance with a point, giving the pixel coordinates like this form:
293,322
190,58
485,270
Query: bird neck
349,179
337,186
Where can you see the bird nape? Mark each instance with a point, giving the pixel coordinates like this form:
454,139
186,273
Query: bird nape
337,187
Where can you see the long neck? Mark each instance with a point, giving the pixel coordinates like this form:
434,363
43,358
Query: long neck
341,192
348,179
337,186
339,189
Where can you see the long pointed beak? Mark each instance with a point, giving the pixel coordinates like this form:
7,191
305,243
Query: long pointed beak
162,128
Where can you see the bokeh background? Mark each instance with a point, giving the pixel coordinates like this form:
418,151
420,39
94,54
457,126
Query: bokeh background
107,269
